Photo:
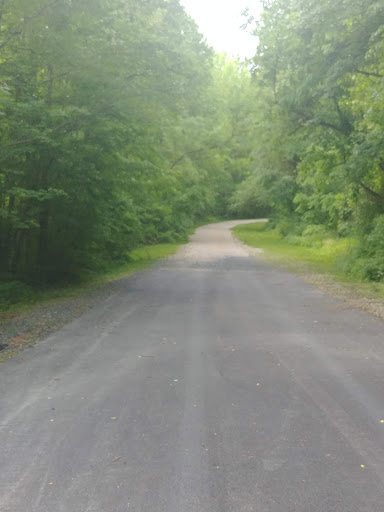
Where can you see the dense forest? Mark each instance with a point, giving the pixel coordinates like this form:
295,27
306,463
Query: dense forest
120,126
318,156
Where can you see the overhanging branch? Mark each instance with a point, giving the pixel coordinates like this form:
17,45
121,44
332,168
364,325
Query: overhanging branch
368,73
372,192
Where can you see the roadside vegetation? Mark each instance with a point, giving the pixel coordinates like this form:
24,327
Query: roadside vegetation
17,297
320,258
318,162
121,128
310,252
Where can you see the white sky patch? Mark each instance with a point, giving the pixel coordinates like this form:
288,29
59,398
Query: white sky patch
220,22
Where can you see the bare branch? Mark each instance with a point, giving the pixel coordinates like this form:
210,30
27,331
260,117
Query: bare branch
23,48
372,192
367,73
319,122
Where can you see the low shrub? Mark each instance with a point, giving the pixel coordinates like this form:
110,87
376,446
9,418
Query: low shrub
314,235
367,260
13,292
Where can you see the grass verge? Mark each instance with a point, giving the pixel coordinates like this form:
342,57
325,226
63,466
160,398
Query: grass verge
319,265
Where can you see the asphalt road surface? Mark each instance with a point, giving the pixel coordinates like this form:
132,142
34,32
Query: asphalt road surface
213,382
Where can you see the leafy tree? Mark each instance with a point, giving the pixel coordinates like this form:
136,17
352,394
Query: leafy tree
318,70
84,89
118,127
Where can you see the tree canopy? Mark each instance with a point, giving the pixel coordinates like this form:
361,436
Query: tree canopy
112,133
120,126
320,76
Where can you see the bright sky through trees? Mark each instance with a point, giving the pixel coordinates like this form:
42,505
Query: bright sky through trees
220,22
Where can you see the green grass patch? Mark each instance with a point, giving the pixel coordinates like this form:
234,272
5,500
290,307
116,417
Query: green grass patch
323,257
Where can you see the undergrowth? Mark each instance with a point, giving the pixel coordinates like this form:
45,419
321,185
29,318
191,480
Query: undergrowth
308,252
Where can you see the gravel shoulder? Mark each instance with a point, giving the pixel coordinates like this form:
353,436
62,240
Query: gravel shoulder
22,330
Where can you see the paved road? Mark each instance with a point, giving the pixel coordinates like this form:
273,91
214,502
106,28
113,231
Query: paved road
210,383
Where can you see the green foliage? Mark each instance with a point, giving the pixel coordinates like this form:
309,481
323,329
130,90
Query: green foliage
321,254
367,260
13,292
118,127
319,153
